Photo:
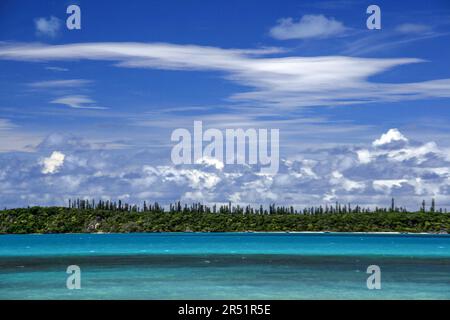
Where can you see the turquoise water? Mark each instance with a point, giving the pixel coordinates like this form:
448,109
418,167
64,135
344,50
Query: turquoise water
225,266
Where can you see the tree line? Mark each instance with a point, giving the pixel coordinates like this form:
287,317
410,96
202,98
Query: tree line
178,207
82,216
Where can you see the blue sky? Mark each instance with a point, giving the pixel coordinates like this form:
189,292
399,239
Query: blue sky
108,96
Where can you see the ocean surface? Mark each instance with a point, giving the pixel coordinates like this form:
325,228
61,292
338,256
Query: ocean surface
225,266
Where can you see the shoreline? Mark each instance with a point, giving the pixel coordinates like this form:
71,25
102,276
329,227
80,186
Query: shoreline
245,232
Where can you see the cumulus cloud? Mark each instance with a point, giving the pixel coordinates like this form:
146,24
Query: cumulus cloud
348,185
387,185
393,135
211,162
48,27
53,163
364,156
308,26
364,175
290,81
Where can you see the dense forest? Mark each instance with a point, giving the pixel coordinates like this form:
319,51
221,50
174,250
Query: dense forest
107,216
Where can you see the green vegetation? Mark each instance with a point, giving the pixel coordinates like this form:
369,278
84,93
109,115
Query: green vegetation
83,216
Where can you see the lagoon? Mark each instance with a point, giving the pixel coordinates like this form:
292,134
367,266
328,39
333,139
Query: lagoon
225,266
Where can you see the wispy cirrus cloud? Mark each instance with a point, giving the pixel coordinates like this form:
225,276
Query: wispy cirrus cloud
395,37
413,28
14,138
282,81
329,4
78,102
70,83
6,124
58,69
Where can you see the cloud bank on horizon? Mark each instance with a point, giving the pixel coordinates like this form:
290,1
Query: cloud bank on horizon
392,166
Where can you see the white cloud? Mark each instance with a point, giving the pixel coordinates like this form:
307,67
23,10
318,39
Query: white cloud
309,26
58,69
364,156
408,172
77,102
392,135
420,153
275,81
5,124
395,147
71,83
338,180
211,162
195,178
47,26
14,138
53,163
387,185
413,28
